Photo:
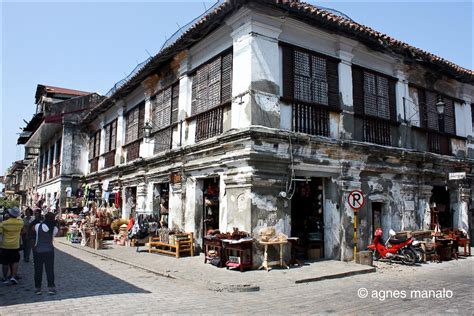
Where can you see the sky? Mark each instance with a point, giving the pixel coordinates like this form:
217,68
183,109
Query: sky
91,45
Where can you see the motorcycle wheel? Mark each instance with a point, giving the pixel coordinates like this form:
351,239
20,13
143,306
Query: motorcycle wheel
376,255
409,256
420,254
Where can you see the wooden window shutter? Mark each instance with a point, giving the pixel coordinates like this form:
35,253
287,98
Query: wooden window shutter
288,72
141,120
107,138
449,119
194,103
333,83
226,78
358,89
113,135
91,148
392,98
97,144
422,108
174,103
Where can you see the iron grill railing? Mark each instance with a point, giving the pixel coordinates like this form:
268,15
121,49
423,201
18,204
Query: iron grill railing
209,124
310,119
439,144
377,131
109,159
94,164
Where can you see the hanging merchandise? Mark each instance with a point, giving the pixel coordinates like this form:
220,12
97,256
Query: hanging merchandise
68,192
117,199
105,185
79,193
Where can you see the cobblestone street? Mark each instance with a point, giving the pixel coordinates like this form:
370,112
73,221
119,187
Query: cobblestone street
89,284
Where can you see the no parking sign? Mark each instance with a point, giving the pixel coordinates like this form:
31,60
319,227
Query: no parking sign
356,199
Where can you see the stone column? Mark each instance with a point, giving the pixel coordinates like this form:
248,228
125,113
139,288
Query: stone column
102,143
141,198
147,147
348,181
256,86
120,134
424,211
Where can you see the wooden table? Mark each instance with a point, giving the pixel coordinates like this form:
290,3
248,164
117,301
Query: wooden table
241,247
214,244
267,264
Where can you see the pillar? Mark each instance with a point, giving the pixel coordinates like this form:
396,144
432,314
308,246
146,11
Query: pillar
102,144
141,198
256,84
120,136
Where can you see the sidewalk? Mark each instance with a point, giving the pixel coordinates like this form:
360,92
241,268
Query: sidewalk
193,269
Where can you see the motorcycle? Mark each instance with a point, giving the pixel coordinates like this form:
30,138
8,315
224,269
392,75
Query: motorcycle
396,250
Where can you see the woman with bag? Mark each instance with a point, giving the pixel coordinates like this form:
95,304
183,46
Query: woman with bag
43,252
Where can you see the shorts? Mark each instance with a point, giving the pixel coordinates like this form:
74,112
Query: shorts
9,256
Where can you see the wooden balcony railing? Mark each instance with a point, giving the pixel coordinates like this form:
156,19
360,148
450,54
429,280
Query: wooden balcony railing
94,164
377,131
109,159
133,150
310,119
57,169
209,124
439,144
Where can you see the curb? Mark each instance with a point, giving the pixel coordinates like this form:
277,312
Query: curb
335,276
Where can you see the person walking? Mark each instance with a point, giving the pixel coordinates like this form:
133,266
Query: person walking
10,244
27,219
43,252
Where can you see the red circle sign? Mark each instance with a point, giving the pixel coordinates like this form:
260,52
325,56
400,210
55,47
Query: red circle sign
356,199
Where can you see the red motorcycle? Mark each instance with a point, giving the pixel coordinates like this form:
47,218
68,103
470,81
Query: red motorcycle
395,249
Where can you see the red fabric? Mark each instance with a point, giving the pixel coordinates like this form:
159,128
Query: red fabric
130,224
117,200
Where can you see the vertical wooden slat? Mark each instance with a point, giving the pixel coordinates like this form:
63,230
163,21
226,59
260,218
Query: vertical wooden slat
288,72
392,99
358,89
333,83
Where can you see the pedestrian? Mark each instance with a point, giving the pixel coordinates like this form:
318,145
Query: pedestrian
43,252
10,245
27,219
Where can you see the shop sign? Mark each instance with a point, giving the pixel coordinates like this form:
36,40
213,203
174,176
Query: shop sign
356,199
457,175
409,205
175,178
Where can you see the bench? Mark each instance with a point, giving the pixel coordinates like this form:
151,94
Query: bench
182,243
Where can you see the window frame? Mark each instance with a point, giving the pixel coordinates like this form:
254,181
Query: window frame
110,137
288,71
139,109
224,100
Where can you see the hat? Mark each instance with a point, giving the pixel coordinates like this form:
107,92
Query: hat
14,212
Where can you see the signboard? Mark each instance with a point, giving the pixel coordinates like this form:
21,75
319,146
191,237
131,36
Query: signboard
356,199
457,175
409,205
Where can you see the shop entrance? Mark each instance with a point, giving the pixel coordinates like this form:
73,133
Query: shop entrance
210,205
307,218
376,217
161,195
440,208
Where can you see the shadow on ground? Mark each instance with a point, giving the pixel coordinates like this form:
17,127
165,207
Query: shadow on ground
74,279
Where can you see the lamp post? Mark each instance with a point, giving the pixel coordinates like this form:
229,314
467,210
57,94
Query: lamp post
440,107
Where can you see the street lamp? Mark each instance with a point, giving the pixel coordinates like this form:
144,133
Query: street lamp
440,105
147,128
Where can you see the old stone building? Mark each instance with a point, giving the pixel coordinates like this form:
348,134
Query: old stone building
269,113
55,147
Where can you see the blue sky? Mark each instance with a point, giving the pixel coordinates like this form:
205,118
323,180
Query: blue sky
90,45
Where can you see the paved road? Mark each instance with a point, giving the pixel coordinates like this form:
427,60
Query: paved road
88,284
